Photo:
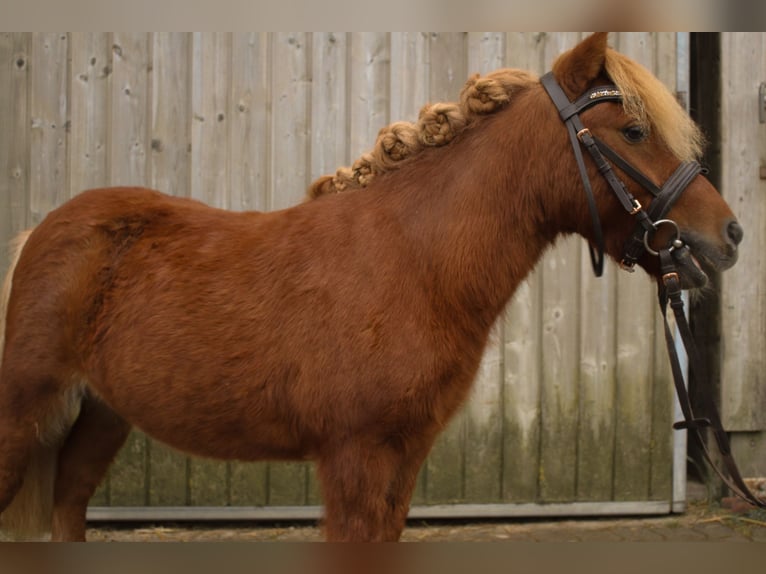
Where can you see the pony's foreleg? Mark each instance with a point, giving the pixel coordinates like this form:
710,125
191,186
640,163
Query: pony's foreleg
403,484
367,489
84,458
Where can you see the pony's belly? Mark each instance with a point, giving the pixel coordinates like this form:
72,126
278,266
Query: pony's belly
210,430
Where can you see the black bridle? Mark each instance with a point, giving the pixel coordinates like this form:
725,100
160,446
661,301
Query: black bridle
648,221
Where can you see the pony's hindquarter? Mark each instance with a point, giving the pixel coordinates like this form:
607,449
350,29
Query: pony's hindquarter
29,449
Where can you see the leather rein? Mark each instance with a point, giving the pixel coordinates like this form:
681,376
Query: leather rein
648,222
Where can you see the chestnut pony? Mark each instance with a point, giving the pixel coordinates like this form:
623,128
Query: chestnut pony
345,330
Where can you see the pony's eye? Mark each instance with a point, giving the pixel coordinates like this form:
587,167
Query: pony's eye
634,134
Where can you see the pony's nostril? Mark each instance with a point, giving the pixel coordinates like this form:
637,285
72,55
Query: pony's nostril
735,232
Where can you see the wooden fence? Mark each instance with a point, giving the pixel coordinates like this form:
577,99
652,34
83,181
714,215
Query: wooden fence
573,404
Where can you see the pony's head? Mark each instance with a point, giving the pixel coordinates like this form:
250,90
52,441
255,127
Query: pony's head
645,135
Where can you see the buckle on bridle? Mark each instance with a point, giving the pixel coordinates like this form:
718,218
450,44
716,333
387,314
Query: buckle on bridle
636,206
629,266
668,277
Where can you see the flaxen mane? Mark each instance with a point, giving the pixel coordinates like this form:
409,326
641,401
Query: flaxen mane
649,101
644,97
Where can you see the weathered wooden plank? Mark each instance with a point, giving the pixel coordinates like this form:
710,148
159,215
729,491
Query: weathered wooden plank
248,483
409,74
209,482
128,475
662,390
249,126
560,346
14,141
48,118
129,106
169,167
171,142
409,83
446,463
291,104
130,102
486,51
329,89
290,61
250,171
88,111
288,483
210,109
522,348
448,58
743,300
483,425
369,85
635,347
596,433
167,476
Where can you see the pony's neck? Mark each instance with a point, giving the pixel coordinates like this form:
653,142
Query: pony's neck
481,211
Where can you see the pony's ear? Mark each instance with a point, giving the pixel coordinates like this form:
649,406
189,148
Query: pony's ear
576,69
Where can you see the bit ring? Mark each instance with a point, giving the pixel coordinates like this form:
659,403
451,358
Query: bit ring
675,244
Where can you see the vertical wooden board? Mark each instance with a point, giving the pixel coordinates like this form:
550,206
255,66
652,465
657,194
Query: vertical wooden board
560,347
447,461
521,392
250,116
635,347
486,52
169,172
596,432
290,161
483,420
14,156
210,111
313,487
743,299
522,349
448,58
291,89
130,101
129,61
168,476
559,375
287,483
128,483
369,86
445,466
171,143
48,124
663,405
88,162
409,74
328,103
248,482
209,482
662,392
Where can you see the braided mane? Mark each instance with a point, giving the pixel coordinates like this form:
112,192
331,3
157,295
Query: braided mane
437,125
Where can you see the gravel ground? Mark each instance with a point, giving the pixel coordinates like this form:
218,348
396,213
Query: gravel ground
699,523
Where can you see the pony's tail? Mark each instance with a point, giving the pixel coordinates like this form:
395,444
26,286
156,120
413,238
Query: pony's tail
29,513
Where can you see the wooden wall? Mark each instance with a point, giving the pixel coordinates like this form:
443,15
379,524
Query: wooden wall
573,402
743,307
